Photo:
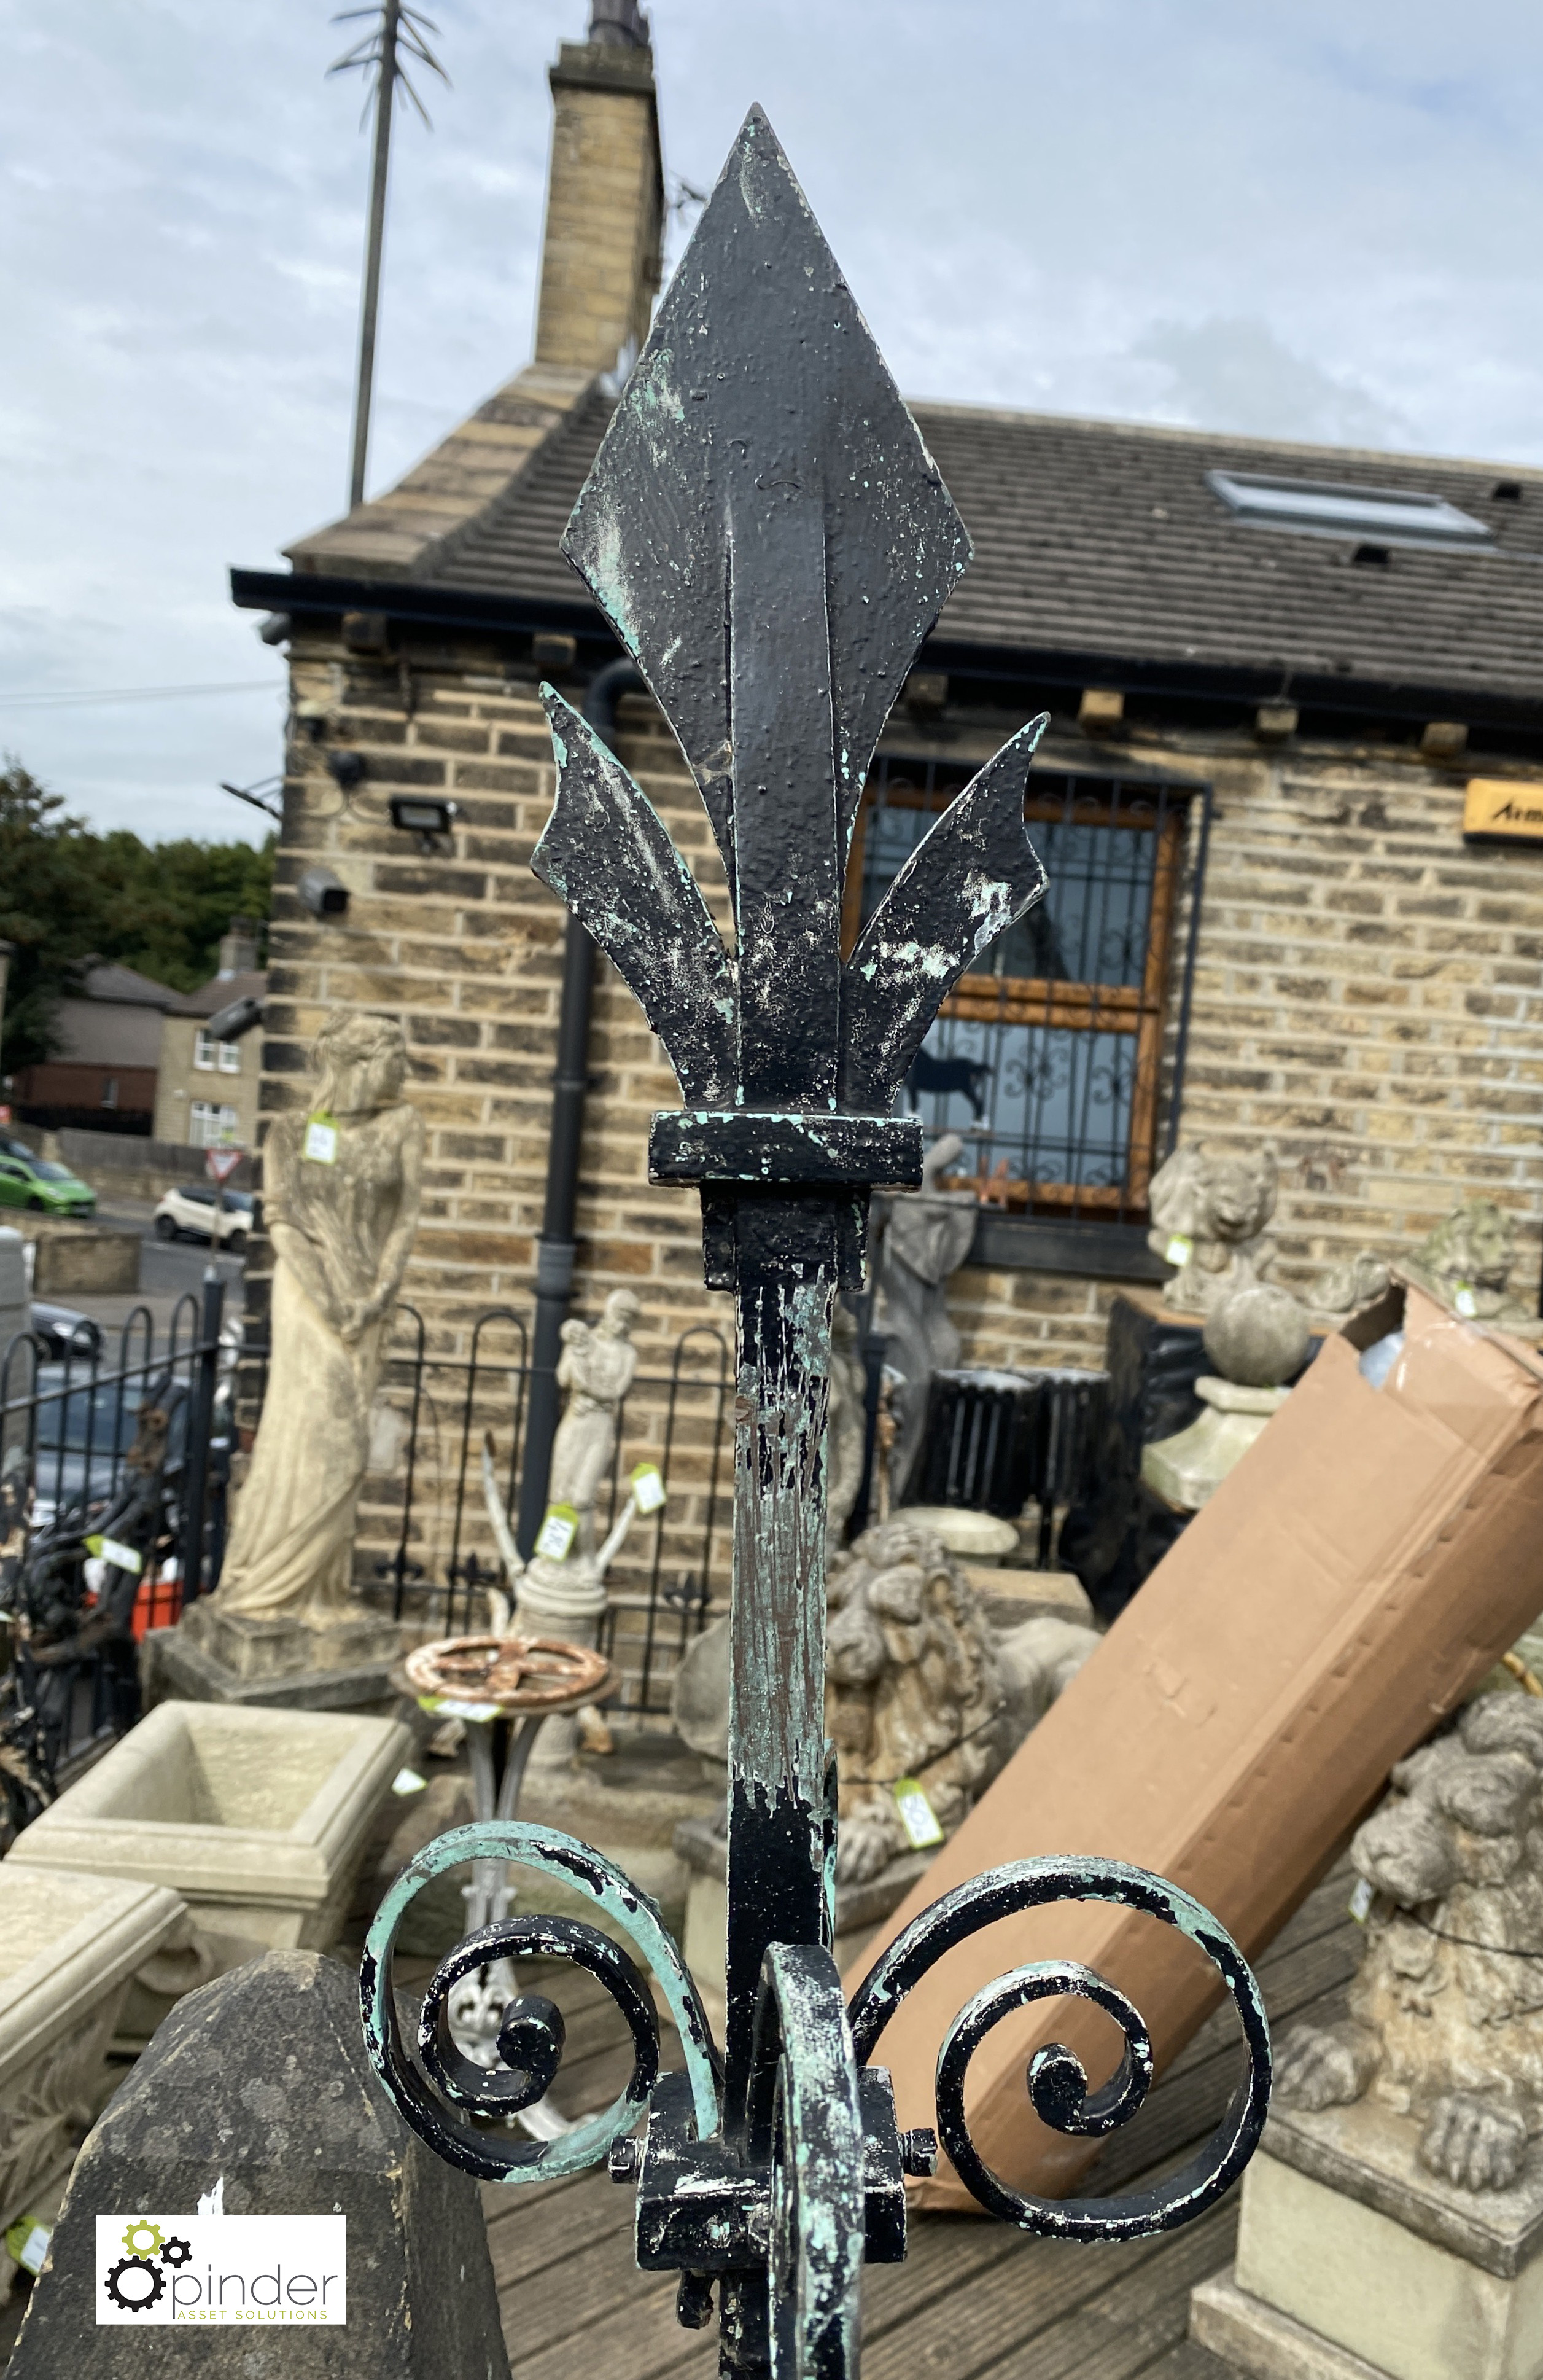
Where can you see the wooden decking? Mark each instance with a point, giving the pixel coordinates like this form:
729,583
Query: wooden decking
972,2299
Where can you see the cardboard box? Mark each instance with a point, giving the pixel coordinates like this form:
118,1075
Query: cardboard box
1363,1567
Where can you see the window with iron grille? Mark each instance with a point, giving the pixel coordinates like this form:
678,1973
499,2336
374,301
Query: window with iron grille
1048,1061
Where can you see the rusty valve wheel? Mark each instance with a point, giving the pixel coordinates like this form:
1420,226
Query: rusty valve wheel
519,1673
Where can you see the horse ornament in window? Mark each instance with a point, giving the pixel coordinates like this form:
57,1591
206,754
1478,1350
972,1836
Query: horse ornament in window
771,540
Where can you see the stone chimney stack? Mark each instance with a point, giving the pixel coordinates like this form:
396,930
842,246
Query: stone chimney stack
602,252
238,948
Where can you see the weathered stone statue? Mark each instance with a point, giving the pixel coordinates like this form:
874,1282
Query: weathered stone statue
919,1687
1467,1263
844,1426
920,1691
1208,1218
926,1235
1446,2014
1349,1284
565,1595
340,1186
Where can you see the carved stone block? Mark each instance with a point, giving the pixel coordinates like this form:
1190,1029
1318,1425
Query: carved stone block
68,1945
1353,2260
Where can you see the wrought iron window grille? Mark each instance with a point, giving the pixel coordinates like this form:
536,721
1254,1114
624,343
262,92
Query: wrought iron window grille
1059,1056
772,541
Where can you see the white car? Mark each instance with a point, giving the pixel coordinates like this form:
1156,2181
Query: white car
188,1213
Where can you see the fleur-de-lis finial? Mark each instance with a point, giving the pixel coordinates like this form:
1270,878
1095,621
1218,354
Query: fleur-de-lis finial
766,531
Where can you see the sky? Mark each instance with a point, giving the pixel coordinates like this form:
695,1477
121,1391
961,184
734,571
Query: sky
1314,219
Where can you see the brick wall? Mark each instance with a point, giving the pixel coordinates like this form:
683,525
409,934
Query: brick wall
464,946
1366,995
1369,997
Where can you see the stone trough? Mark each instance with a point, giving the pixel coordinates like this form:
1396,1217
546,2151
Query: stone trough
257,1817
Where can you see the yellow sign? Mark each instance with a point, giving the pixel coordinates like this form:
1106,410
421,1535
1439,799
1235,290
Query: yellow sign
1503,809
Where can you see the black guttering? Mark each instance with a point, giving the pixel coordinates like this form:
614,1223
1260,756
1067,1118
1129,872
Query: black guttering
1333,694
306,594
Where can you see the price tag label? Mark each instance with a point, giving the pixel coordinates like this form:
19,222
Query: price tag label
122,1557
647,1488
556,1534
916,1815
1465,1301
27,2242
450,1706
1361,1901
321,1143
1179,1250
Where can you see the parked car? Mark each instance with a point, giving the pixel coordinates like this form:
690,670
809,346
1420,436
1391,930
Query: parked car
37,1181
64,1331
188,1213
83,1433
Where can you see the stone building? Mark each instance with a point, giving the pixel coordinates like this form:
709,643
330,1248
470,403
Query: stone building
103,1075
206,1091
1272,672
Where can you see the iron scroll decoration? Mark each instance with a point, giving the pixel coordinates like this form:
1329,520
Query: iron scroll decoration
771,540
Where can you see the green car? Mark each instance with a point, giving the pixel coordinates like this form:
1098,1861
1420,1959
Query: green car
38,1182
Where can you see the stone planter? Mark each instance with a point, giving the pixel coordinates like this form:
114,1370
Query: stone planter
80,1259
68,1945
257,1817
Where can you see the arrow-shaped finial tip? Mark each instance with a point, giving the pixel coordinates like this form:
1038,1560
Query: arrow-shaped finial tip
757,136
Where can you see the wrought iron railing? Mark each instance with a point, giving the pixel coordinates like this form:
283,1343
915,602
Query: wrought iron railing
424,1531
115,1459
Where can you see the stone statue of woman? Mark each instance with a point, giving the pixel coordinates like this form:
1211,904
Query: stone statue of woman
341,1189
926,1235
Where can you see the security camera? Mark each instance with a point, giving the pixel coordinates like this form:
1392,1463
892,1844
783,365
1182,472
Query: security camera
324,894
347,767
229,1024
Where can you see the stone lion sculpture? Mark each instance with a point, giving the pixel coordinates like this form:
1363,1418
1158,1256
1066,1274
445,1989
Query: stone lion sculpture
1446,2012
1207,1217
918,1686
1468,1261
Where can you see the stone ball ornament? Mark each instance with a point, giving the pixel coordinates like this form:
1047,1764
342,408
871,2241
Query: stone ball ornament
771,542
1258,1336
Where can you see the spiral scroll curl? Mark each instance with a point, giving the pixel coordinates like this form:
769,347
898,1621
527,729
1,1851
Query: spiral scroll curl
1058,2081
530,2040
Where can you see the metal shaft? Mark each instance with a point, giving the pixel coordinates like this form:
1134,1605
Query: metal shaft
200,1418
385,98
777,1662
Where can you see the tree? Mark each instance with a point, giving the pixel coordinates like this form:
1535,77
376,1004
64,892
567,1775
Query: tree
171,902
48,909
69,895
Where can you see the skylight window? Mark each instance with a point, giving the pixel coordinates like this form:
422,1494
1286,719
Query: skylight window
1324,508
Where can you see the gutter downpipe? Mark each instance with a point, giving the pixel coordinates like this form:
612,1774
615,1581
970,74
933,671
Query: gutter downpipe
555,1246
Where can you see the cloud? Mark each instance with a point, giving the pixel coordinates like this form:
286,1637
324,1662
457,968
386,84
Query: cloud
1289,220
1235,374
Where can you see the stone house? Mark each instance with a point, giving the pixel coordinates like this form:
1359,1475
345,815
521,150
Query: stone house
103,1075
1272,673
206,1094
